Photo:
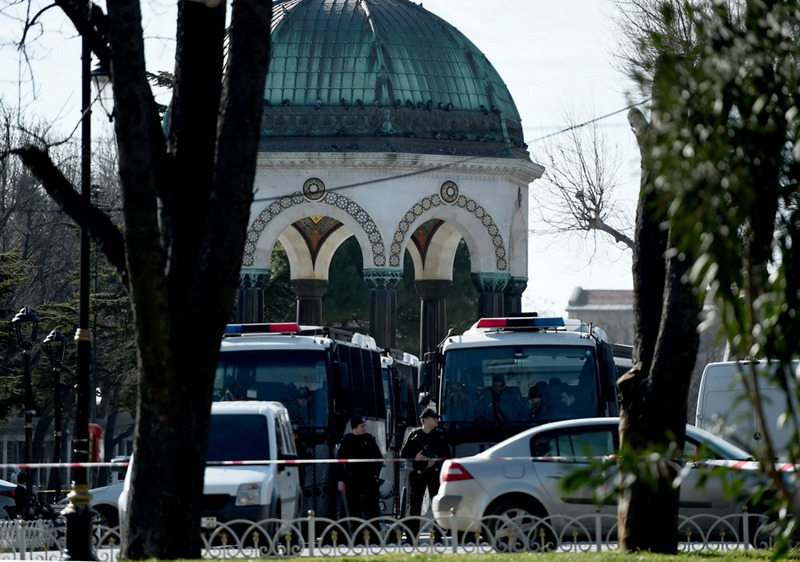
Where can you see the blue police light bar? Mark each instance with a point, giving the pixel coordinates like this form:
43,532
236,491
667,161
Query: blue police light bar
272,328
522,322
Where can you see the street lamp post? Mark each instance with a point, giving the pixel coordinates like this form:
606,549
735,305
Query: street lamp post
78,512
26,339
55,346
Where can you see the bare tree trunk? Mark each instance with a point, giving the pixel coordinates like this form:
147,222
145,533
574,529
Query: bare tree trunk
180,327
186,202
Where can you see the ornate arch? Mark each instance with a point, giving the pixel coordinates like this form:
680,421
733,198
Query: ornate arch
341,202
435,200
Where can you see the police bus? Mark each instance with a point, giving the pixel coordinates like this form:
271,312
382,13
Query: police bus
323,376
504,375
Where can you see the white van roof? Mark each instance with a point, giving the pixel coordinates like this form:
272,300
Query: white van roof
247,407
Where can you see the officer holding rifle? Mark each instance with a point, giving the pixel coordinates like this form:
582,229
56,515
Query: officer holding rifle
427,447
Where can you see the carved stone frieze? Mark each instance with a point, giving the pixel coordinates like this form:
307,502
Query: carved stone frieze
490,281
254,278
382,278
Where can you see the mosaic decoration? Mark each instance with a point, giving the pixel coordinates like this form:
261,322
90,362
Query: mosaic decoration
315,230
449,192
333,199
424,234
470,205
314,189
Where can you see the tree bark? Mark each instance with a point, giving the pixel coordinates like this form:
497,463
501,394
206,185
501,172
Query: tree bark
654,392
185,291
186,201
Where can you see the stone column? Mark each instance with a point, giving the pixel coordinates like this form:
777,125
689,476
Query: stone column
309,300
490,285
383,304
433,314
513,294
250,294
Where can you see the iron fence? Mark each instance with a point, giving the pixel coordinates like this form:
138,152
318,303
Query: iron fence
323,537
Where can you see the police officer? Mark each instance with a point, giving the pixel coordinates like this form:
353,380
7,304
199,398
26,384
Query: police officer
359,481
304,451
427,447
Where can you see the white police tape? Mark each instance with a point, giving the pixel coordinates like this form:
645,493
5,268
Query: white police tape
124,464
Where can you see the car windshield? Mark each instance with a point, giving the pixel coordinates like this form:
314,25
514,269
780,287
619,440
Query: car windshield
707,445
238,437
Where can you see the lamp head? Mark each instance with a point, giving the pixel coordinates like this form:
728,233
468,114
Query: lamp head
101,78
55,346
24,318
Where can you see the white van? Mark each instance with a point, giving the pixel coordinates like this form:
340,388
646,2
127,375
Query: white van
246,431
724,408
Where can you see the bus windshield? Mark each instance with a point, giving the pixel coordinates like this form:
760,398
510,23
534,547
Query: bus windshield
296,378
519,384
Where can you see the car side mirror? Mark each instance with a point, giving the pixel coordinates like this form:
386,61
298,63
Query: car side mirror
286,457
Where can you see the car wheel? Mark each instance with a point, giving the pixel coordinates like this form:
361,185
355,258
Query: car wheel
761,528
109,515
517,526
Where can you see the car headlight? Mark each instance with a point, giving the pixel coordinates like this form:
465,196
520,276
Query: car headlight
248,494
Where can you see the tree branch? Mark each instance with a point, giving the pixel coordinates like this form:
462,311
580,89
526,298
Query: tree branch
99,226
240,133
619,237
89,19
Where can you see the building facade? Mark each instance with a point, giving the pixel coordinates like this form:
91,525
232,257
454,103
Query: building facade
384,123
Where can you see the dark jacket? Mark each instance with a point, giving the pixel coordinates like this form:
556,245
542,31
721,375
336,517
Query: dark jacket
359,447
432,445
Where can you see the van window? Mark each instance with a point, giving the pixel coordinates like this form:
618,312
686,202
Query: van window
283,440
242,437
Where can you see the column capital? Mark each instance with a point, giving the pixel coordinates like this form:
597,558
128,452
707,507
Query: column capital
516,286
490,281
309,288
254,278
382,277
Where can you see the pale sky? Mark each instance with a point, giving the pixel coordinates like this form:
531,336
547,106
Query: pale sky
554,56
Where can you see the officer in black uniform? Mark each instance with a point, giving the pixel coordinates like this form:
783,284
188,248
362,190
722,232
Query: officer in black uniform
427,447
358,481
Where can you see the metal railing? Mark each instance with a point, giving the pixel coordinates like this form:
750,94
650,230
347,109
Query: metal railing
322,537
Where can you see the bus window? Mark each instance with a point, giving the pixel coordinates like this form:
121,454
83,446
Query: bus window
296,378
519,384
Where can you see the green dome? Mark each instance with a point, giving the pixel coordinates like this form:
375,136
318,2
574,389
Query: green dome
369,69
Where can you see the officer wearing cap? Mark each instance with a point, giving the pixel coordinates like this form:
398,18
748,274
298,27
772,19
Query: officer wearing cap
427,447
358,481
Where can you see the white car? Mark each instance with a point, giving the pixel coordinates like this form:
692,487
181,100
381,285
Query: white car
246,431
105,501
519,478
6,497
